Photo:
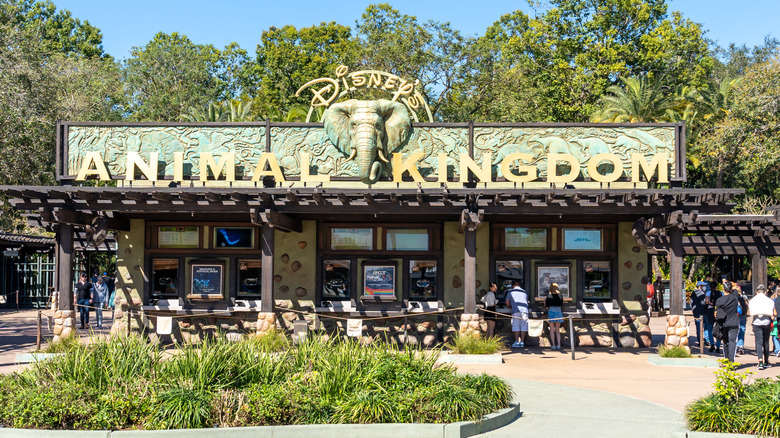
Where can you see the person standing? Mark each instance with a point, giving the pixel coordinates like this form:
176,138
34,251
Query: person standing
100,295
762,309
111,285
776,335
84,299
650,298
490,308
728,318
742,311
710,300
517,300
699,308
554,304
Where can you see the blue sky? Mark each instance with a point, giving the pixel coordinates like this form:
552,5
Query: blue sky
133,23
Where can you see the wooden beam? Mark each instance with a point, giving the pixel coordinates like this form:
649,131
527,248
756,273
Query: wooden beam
470,271
267,271
469,220
65,266
72,217
676,283
276,220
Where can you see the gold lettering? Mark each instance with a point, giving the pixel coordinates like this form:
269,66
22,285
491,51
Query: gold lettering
375,80
87,167
410,165
530,170
227,163
273,165
305,175
466,164
358,79
134,160
390,83
403,89
178,166
552,168
595,161
442,171
659,163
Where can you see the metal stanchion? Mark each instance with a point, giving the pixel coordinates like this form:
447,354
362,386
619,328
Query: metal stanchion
571,336
701,335
129,320
38,339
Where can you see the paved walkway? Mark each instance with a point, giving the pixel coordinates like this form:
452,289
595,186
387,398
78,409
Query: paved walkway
550,410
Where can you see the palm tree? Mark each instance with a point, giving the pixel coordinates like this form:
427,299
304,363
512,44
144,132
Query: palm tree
640,99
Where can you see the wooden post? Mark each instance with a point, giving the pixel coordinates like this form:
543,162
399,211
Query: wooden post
676,284
38,338
267,283
759,270
470,276
65,266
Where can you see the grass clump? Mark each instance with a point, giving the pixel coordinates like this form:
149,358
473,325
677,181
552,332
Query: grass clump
736,405
476,344
676,351
128,383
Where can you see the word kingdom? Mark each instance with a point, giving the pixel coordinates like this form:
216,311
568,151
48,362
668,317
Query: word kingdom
514,168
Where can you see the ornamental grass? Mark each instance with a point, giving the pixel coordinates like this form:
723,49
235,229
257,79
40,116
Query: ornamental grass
130,383
737,406
476,344
677,351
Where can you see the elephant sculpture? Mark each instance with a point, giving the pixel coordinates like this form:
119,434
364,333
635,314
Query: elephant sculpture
368,130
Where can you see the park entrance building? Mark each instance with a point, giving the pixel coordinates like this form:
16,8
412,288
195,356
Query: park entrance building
374,219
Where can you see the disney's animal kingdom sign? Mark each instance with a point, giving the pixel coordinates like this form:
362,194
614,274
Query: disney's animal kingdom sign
371,142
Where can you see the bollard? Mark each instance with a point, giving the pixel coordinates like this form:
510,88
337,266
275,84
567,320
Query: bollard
38,339
571,336
701,335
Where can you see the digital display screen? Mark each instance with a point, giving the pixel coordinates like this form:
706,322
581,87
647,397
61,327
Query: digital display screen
234,237
581,240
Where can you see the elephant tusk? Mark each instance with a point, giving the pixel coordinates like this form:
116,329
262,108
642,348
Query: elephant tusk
352,155
382,156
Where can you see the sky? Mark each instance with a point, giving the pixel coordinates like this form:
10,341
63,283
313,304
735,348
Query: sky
125,23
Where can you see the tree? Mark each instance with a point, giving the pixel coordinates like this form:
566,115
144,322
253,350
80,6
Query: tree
59,31
640,99
232,112
172,74
571,53
287,58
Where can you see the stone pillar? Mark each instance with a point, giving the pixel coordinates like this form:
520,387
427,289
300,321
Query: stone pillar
266,322
65,315
469,324
676,332
676,285
267,282
759,270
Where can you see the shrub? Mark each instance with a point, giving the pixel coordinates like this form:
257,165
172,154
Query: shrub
676,351
476,344
182,408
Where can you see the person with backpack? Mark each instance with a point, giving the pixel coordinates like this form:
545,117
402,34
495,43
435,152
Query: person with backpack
100,296
710,300
742,311
699,307
762,309
728,319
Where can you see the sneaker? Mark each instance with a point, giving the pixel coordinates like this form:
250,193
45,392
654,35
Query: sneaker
516,345
740,350
712,348
761,366
718,350
522,344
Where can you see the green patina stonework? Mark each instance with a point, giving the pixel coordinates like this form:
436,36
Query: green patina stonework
286,143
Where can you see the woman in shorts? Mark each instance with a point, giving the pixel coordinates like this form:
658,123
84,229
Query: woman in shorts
554,304
490,308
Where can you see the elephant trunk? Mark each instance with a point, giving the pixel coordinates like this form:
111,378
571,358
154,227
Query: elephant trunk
366,144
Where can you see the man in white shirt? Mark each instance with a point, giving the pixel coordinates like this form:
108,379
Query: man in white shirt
762,309
517,300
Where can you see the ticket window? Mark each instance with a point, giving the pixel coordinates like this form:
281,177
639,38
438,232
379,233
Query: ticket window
165,278
422,280
336,279
597,281
508,271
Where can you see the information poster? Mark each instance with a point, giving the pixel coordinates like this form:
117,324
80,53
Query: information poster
379,281
547,275
207,279
525,239
355,328
178,237
582,240
352,238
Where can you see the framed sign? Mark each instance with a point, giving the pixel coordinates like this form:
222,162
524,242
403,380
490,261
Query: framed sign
234,237
206,280
178,237
379,281
549,274
577,239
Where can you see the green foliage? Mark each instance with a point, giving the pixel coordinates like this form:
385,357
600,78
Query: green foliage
125,383
62,345
677,351
640,99
729,384
182,408
755,412
476,344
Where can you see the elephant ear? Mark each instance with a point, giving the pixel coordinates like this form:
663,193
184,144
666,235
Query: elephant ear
398,125
336,122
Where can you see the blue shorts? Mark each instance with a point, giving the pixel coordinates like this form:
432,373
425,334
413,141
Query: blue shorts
555,314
